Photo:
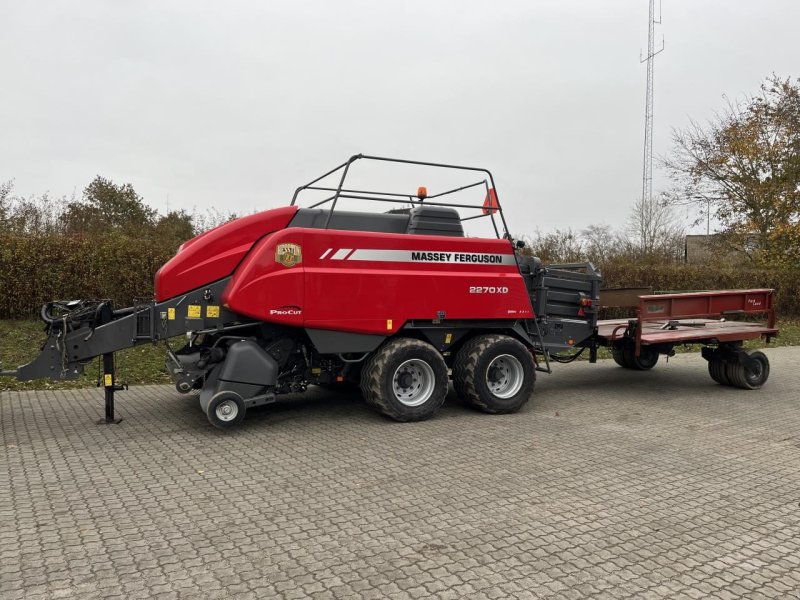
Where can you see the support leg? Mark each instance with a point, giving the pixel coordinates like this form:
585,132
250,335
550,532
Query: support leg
110,386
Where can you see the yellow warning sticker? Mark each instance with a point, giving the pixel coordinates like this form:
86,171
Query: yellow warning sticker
389,324
212,312
193,311
108,380
448,338
171,314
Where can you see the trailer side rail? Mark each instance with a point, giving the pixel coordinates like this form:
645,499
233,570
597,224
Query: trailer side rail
703,305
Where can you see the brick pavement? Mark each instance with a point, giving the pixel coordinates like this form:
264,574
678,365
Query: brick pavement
610,483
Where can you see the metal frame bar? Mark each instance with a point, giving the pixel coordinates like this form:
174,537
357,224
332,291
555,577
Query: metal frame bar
341,192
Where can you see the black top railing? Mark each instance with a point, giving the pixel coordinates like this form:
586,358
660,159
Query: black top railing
340,191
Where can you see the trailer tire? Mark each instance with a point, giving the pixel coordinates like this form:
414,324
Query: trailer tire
494,373
226,410
618,354
646,360
405,380
717,369
740,377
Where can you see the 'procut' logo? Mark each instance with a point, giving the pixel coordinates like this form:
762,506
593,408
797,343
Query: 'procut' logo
286,311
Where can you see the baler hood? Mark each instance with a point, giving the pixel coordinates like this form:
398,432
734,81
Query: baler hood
215,254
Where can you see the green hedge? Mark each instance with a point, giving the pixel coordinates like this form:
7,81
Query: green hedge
36,269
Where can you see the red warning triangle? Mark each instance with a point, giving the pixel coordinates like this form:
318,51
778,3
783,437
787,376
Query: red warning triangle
490,204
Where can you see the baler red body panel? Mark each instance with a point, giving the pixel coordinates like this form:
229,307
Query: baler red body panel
215,254
375,282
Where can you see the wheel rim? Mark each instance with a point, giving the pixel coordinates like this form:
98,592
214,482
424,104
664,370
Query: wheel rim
413,382
755,376
504,376
648,358
227,410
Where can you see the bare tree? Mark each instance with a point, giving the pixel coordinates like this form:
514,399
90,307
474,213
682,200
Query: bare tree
559,245
655,229
601,243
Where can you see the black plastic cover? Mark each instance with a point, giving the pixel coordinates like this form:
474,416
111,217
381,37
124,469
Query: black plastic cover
435,220
247,362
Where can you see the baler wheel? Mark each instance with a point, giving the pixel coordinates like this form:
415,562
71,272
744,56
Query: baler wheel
717,370
740,377
226,410
405,379
494,373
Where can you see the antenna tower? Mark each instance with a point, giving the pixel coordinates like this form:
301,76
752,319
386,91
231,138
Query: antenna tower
647,171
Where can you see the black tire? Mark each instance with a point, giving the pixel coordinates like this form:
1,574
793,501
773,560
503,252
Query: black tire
226,410
618,354
717,370
646,360
740,377
481,374
405,379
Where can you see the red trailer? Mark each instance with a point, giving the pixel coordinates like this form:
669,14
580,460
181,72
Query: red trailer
664,321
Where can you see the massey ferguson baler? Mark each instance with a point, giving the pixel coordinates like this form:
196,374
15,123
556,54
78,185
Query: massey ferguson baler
397,302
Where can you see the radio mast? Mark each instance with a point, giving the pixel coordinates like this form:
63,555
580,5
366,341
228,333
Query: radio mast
647,171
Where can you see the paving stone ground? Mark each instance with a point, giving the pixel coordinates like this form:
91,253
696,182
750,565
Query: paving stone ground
609,483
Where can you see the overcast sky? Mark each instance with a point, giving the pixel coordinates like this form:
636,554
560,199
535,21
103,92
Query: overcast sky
233,104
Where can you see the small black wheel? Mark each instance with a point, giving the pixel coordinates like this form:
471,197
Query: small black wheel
494,373
405,379
618,354
747,379
226,410
717,370
646,360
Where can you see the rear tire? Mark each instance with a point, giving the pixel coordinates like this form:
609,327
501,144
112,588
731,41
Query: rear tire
494,373
405,379
740,377
226,410
717,370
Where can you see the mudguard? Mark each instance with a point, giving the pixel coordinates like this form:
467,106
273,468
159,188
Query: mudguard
247,371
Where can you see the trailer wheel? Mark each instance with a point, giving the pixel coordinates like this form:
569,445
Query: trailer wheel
494,373
743,378
717,370
618,354
646,360
406,380
226,410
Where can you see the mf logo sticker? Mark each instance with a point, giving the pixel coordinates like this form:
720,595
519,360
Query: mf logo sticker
288,255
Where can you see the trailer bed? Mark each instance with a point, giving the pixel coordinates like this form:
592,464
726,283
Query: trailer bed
687,331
